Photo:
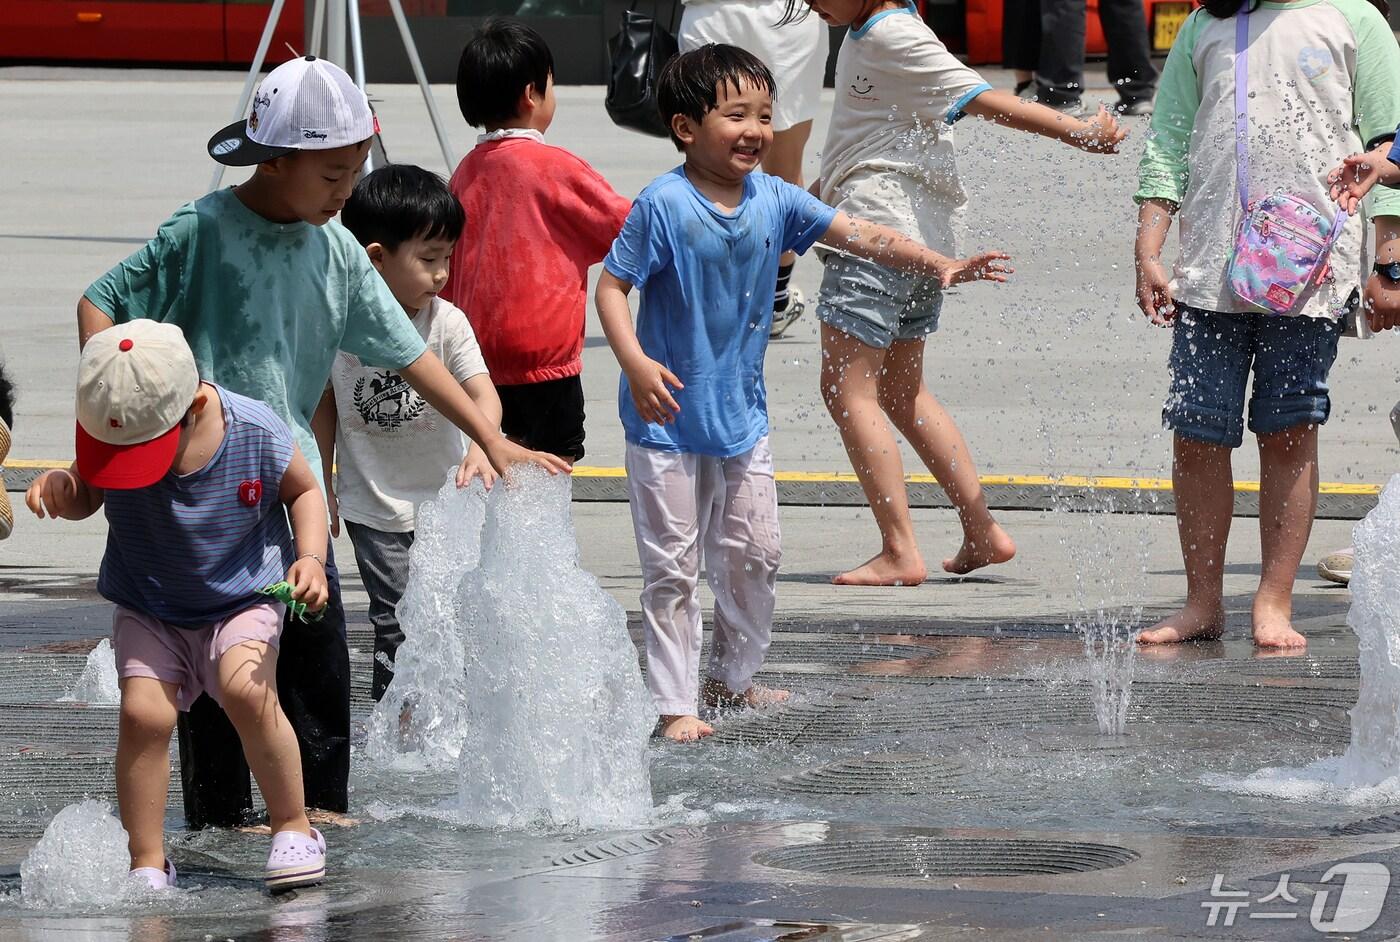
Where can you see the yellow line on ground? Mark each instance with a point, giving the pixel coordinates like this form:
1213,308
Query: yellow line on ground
847,477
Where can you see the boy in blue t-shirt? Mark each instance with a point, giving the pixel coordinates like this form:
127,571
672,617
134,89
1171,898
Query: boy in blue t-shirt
703,243
266,288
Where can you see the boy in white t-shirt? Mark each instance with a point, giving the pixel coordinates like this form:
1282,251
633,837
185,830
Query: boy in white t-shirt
391,448
889,159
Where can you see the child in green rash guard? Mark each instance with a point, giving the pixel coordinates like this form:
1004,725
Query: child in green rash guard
266,288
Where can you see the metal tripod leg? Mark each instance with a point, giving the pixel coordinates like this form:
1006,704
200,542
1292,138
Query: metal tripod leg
412,49
251,81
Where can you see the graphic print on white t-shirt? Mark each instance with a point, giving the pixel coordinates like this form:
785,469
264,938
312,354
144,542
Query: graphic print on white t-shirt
384,399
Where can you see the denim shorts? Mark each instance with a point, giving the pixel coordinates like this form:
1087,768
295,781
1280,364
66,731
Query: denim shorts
877,305
1211,356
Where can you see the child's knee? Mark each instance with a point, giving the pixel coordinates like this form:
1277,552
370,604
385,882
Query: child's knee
147,711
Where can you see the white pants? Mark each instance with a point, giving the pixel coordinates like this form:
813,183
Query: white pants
726,509
795,53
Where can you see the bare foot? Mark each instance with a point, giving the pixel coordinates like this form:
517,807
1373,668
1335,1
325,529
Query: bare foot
993,546
1192,623
322,818
1273,626
685,728
715,694
885,569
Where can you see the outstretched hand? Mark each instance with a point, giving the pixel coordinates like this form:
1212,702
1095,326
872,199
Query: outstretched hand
1350,182
1101,134
502,453
986,266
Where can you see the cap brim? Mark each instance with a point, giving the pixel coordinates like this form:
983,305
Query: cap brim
124,467
233,147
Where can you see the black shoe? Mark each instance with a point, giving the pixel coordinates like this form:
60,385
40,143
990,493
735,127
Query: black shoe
1140,107
1025,89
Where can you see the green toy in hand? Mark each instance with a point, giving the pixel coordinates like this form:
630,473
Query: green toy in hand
282,592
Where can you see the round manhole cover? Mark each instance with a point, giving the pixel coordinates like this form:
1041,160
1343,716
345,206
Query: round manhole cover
924,857
885,773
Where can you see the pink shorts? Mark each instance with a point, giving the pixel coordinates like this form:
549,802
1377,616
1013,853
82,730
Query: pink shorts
148,647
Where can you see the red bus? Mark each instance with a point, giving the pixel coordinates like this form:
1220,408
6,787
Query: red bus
138,31
227,31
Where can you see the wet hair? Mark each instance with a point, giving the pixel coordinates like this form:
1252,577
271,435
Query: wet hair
497,64
401,202
795,11
690,83
7,398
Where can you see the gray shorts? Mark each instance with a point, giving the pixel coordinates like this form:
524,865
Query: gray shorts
877,305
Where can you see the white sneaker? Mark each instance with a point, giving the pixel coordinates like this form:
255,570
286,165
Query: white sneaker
788,316
296,860
155,877
1336,567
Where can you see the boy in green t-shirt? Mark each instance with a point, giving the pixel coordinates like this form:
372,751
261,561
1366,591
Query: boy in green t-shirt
266,289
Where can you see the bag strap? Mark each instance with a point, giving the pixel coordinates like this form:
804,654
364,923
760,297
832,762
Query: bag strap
1242,140
1242,106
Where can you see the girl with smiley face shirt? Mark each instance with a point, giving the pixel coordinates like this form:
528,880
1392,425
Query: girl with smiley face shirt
888,158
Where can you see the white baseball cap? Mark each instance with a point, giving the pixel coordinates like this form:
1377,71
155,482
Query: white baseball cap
305,104
136,381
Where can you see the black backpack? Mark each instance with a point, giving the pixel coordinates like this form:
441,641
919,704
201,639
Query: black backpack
638,52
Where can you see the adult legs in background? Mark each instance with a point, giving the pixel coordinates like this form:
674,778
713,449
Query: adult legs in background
1060,75
1130,68
1020,40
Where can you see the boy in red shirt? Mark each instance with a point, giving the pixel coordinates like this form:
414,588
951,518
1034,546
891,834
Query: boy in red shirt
537,218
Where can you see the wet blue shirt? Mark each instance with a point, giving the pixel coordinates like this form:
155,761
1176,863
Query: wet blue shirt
706,280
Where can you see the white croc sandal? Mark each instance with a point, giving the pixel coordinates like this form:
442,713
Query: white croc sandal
156,878
296,861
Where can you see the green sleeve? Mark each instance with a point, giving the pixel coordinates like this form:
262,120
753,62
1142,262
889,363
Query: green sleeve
1375,99
150,283
376,328
1164,170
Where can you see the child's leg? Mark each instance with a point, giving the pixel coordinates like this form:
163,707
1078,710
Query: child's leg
1210,358
850,378
382,558
743,547
248,688
148,713
1291,399
928,427
661,489
1287,502
1203,484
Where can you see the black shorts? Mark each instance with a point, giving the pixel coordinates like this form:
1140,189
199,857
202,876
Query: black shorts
545,416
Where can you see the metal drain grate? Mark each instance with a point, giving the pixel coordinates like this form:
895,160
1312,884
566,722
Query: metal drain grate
38,678
51,780
620,847
1319,667
1381,824
1317,713
923,857
885,773
59,724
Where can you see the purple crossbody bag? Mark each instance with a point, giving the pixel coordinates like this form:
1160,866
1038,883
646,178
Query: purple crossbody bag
1283,242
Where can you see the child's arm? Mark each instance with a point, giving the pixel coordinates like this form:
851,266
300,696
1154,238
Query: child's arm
1382,303
1101,133
91,320
63,494
1359,173
323,424
434,383
886,246
1154,293
648,379
481,391
302,498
